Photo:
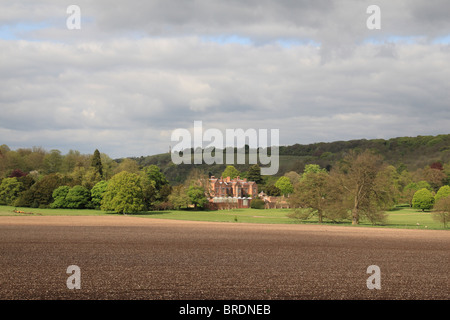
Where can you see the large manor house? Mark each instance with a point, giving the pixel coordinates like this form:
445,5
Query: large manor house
227,192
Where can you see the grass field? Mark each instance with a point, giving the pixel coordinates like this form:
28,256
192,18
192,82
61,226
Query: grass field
402,217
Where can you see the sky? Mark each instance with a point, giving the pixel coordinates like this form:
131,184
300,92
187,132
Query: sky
137,70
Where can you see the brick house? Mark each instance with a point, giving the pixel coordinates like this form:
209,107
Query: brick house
227,193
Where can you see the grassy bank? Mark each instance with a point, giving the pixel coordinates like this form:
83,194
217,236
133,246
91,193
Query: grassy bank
400,218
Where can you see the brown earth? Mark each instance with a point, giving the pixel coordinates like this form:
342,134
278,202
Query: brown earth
123,257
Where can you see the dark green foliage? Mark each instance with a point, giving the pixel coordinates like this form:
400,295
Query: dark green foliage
96,162
59,197
273,191
9,190
78,197
197,196
254,174
41,193
257,204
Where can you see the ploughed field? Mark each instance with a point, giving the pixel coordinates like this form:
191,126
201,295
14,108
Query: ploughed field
124,257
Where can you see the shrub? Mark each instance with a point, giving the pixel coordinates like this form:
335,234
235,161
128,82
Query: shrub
257,204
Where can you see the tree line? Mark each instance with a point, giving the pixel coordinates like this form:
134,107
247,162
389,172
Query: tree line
359,186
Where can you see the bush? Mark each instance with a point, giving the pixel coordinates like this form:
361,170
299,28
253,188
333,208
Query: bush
257,204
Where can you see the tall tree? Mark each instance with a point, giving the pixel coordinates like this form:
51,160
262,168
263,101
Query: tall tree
359,178
254,174
311,192
96,162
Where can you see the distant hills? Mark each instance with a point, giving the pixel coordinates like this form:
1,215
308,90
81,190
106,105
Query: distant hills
407,152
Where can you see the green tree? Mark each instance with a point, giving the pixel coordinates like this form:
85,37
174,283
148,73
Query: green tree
273,191
413,187
313,168
230,171
364,190
155,185
97,193
59,197
78,197
285,185
41,193
128,165
254,174
178,197
197,196
9,190
423,199
123,194
53,161
443,192
311,192
96,163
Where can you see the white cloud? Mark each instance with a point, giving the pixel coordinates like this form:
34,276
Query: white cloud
133,73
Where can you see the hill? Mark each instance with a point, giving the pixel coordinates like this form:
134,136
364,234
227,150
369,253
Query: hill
401,152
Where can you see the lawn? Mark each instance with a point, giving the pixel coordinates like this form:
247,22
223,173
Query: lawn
401,217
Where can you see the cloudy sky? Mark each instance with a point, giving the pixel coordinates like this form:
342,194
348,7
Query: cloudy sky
137,70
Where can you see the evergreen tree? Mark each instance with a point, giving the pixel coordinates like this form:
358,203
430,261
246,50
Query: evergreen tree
96,162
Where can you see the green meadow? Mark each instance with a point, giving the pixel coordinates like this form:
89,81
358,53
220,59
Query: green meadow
400,217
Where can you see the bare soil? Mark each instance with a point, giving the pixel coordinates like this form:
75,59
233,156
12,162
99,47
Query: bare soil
124,257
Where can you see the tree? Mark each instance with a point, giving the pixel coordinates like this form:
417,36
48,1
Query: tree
59,197
443,192
273,191
254,174
285,185
413,187
423,199
311,192
155,185
128,165
96,162
123,194
9,190
362,187
41,193
442,210
435,177
78,197
97,193
53,161
313,168
293,176
197,196
178,197
86,177
230,171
